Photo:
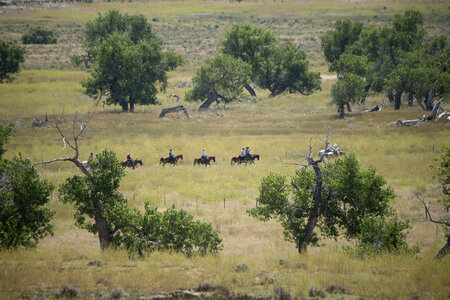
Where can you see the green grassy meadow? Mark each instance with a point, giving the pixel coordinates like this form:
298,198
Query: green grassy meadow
279,129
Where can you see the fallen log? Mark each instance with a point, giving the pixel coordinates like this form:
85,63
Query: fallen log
174,109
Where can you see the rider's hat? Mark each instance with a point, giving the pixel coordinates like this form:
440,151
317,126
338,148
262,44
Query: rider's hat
246,147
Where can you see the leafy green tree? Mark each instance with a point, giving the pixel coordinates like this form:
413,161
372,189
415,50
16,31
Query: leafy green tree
251,44
11,57
336,198
126,60
286,69
24,219
39,35
349,89
101,208
221,79
334,42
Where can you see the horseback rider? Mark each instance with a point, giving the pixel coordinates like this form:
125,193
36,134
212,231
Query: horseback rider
171,157
247,153
327,147
242,153
129,160
204,157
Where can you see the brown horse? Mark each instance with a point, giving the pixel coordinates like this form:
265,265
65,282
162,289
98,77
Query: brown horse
127,164
167,160
202,161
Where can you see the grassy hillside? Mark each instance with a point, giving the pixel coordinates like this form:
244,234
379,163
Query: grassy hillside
277,128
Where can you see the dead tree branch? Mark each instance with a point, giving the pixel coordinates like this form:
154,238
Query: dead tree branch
174,109
73,144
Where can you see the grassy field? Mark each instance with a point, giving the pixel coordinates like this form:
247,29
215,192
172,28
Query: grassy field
277,128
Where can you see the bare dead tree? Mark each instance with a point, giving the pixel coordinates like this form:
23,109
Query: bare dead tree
426,204
174,109
433,116
73,142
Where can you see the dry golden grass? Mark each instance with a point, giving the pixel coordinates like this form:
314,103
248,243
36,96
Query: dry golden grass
277,128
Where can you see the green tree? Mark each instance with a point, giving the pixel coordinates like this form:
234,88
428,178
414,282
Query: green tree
286,69
101,208
251,44
349,89
336,198
126,60
221,79
24,219
39,35
11,57
334,42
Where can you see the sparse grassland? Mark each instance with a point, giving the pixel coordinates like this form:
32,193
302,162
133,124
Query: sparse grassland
276,128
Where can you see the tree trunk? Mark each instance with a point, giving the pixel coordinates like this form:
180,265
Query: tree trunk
173,109
341,111
250,90
398,100
410,98
132,106
212,98
314,214
349,109
444,251
366,92
124,105
103,232
391,97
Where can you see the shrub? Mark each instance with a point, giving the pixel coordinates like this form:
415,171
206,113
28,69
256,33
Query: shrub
39,35
380,234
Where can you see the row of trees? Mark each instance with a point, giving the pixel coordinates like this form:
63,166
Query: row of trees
397,60
252,55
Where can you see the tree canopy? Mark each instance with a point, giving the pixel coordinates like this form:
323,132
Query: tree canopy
220,79
24,219
11,57
336,197
125,60
395,60
39,35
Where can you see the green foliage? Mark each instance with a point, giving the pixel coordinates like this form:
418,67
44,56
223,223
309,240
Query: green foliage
348,90
249,43
348,194
11,57
380,235
23,219
335,42
5,132
223,75
126,60
286,69
96,197
39,35
173,230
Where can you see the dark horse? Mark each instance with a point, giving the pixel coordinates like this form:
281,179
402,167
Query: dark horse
127,164
244,159
202,161
167,160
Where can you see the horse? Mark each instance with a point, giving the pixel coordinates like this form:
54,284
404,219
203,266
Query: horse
202,161
167,160
252,158
127,164
235,160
